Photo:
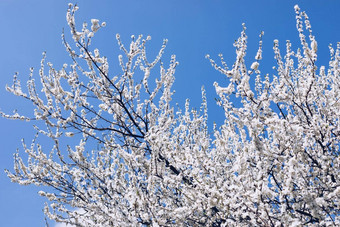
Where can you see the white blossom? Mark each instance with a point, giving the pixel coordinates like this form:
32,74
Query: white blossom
314,46
69,134
254,66
138,161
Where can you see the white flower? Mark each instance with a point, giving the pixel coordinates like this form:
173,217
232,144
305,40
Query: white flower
255,65
95,25
314,46
69,134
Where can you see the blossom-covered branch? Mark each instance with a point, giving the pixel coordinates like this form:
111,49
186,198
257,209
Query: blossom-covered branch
135,160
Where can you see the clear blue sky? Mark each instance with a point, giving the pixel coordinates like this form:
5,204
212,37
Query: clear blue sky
194,28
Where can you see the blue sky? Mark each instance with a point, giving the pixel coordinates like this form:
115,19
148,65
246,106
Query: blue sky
194,28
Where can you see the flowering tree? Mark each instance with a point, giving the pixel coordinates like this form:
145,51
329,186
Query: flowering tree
139,162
